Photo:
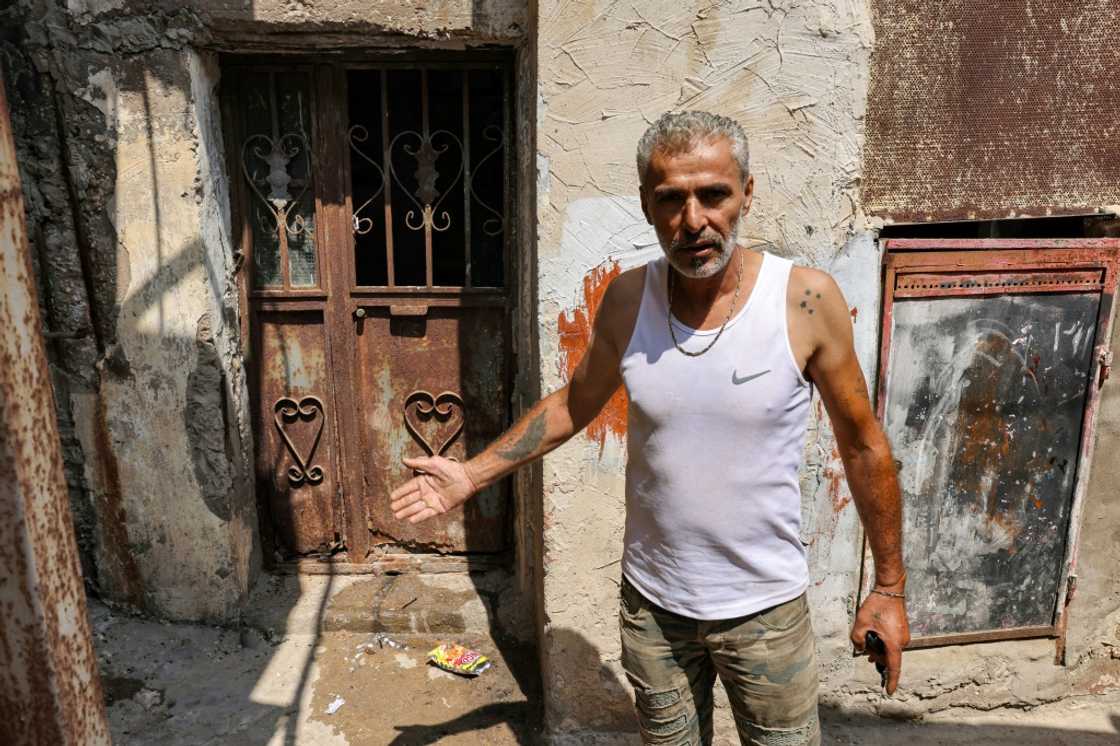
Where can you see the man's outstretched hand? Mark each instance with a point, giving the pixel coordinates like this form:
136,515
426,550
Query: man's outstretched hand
887,617
441,486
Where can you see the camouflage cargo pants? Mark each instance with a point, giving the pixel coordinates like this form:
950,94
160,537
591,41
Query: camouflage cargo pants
766,661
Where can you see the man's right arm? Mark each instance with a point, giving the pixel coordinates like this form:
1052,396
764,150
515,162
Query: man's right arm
445,484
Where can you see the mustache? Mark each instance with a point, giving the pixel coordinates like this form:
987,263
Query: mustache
704,238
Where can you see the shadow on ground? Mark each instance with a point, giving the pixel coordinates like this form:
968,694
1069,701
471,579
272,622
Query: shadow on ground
1081,724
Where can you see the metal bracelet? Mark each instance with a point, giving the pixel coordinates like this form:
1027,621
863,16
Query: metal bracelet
888,594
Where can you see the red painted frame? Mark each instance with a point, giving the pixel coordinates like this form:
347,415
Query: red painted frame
946,268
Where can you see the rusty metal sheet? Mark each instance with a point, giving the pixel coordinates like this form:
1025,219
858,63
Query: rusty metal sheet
434,383
992,110
941,284
989,399
296,432
984,407
50,692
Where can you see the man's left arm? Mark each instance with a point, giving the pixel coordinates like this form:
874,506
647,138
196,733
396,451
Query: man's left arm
868,465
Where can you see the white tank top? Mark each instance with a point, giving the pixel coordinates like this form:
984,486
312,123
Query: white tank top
713,502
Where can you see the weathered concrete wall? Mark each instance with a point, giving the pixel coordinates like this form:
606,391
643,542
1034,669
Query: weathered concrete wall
796,75
171,416
124,162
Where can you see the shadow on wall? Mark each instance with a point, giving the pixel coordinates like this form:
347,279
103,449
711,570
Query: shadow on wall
576,665
60,228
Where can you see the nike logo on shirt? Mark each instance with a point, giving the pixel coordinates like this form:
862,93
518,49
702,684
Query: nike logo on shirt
736,380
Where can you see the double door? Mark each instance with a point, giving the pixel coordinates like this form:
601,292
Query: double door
370,202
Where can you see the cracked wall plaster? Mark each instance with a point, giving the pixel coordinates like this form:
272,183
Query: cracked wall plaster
131,181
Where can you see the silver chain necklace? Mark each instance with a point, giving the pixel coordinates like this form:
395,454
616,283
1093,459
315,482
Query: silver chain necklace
730,311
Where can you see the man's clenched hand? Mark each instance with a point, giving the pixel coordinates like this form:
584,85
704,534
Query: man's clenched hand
440,486
887,617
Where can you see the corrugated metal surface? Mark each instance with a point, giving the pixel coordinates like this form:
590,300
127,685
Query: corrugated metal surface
991,110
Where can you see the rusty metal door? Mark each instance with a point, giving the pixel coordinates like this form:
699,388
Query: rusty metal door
372,200
279,187
426,337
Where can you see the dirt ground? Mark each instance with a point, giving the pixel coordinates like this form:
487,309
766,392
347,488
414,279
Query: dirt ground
186,685
195,685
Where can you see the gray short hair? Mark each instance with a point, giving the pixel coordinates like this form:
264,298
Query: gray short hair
678,131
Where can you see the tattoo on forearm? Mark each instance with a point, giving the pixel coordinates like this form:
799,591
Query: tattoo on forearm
529,441
808,302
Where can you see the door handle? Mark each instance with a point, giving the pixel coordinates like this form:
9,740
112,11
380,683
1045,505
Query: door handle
360,313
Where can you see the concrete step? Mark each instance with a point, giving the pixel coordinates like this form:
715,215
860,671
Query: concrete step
483,603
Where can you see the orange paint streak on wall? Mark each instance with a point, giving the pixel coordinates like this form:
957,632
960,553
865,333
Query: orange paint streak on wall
575,335
834,473
835,479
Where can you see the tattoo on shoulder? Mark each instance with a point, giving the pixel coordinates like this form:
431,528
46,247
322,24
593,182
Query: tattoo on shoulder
809,301
529,441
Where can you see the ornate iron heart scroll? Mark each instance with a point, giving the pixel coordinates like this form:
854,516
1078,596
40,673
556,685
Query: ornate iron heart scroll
277,152
442,407
287,411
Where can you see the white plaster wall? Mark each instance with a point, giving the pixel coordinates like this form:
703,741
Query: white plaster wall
795,75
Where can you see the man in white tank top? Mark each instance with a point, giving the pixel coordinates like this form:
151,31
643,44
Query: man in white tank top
718,348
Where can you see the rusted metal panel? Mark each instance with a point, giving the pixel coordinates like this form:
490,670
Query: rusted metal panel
1051,250
989,398
984,404
296,432
425,342
50,692
430,324
944,284
1013,633
992,110
432,384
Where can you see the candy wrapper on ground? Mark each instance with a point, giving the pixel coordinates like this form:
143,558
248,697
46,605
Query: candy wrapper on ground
458,659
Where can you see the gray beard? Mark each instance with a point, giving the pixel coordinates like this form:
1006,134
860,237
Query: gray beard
699,269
